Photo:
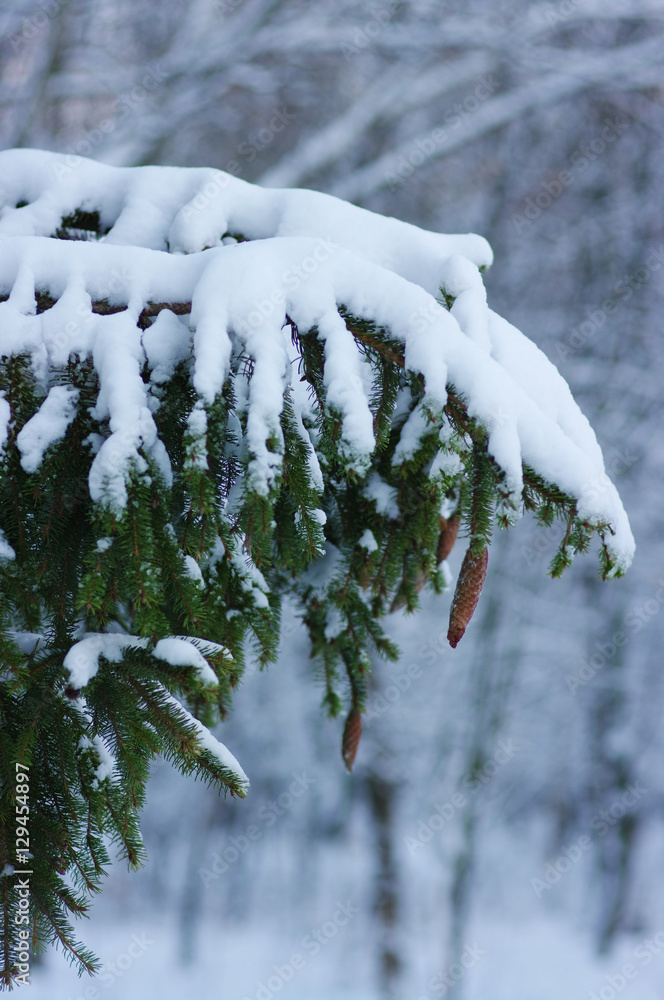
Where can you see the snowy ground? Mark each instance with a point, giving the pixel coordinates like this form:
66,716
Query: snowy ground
533,960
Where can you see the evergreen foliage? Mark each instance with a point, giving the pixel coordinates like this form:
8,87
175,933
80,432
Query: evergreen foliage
202,550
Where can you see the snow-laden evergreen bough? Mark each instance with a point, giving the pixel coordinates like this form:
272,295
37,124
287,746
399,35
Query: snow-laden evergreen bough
213,396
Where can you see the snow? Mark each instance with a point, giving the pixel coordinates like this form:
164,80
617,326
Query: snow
382,494
367,541
189,210
82,660
462,280
48,426
95,744
106,767
320,573
208,742
345,389
336,624
28,642
6,551
166,343
251,579
194,571
118,356
310,254
5,415
517,959
180,652
197,421
411,434
447,462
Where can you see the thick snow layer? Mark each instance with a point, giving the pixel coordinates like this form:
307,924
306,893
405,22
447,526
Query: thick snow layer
188,210
311,255
182,653
48,425
82,660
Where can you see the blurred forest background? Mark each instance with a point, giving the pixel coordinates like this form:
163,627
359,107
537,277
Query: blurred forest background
501,835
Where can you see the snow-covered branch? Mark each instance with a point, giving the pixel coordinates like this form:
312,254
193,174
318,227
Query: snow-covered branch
309,260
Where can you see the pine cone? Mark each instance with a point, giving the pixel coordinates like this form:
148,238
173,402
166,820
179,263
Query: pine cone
351,737
467,593
449,529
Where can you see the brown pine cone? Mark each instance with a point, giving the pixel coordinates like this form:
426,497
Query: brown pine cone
351,737
467,593
449,529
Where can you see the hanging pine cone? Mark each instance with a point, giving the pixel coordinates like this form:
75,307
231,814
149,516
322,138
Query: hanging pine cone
351,737
449,529
467,593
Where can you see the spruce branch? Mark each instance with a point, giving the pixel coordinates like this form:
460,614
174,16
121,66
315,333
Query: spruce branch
174,470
